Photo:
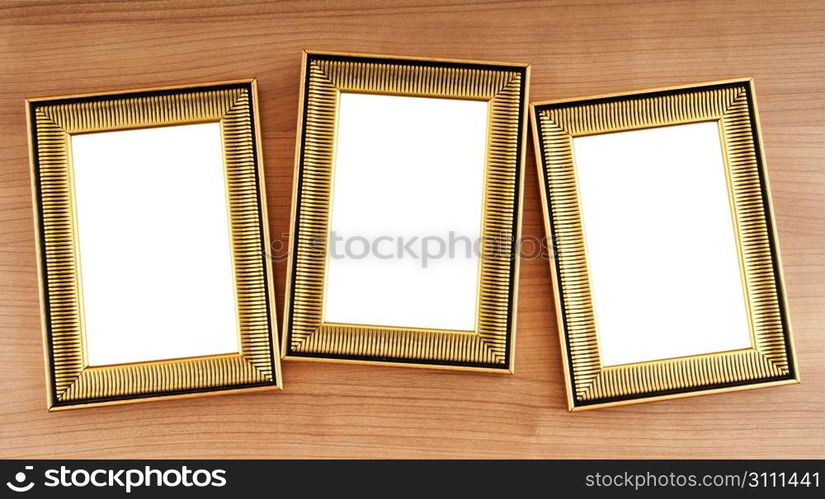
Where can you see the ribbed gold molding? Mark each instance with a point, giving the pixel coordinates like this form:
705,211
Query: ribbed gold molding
728,104
504,87
72,381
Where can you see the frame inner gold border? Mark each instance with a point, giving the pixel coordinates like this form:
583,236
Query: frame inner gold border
326,76
53,122
730,106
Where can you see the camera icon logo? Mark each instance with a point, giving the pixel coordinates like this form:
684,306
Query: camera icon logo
19,479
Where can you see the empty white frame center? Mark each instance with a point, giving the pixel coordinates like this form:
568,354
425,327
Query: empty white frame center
406,212
154,243
661,246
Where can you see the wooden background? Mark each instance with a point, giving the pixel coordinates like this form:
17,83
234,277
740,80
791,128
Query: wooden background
328,410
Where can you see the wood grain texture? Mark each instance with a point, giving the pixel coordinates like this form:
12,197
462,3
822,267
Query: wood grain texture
329,410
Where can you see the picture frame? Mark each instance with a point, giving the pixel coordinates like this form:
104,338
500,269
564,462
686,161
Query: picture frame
65,136
727,111
328,79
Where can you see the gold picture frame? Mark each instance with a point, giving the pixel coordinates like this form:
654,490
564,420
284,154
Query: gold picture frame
52,121
731,105
325,77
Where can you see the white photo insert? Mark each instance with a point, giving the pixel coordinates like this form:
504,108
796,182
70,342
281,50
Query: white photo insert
664,268
154,242
406,212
